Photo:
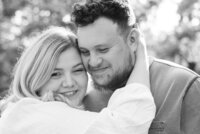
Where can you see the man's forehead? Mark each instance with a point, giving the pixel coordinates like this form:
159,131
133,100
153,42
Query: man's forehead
97,33
100,27
101,22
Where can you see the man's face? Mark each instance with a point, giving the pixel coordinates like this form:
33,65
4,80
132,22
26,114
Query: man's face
105,54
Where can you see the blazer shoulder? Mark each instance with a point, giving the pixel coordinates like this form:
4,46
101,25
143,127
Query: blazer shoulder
171,68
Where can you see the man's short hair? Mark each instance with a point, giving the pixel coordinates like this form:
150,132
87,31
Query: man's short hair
119,11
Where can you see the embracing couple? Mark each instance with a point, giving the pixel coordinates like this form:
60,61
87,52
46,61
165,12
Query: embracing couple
130,92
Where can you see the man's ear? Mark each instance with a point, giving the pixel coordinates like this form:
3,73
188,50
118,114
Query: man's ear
132,39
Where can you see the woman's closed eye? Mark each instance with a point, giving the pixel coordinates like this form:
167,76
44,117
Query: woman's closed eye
79,70
56,74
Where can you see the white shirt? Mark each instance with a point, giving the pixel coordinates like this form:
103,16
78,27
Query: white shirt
130,110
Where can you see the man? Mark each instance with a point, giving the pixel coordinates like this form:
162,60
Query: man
107,36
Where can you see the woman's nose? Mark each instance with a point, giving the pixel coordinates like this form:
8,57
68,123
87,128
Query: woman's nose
68,81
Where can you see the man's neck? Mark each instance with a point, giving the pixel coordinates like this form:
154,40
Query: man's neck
96,100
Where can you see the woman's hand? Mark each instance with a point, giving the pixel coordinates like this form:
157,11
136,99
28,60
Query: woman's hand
48,96
140,73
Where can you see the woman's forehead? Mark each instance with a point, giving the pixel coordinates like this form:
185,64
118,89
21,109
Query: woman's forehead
69,58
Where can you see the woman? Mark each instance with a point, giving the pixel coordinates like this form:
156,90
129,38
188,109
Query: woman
51,72
41,70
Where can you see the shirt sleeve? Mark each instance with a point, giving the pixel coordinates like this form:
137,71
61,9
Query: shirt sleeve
190,116
130,110
31,116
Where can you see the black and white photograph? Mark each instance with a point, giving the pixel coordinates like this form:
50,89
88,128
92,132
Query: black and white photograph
99,66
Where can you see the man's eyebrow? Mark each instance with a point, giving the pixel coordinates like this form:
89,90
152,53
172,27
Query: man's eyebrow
100,45
103,45
96,46
82,48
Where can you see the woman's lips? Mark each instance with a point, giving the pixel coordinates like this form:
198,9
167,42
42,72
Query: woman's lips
68,93
71,93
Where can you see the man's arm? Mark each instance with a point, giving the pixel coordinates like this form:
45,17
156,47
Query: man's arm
190,117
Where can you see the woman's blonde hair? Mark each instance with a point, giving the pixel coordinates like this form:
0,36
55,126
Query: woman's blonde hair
36,64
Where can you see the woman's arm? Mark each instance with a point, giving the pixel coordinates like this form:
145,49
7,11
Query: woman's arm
32,116
130,110
140,73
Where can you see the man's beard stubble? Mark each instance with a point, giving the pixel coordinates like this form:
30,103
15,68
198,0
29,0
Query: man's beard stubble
119,79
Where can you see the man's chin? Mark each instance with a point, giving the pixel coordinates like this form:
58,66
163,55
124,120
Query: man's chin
112,83
100,84
104,85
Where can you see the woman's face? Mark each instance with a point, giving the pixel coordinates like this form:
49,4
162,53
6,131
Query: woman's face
69,77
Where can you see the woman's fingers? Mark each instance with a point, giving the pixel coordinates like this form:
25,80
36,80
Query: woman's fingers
141,48
48,96
62,98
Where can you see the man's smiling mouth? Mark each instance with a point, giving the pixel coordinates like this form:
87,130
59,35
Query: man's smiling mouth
98,71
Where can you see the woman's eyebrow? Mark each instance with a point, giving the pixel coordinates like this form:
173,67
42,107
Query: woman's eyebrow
57,69
78,64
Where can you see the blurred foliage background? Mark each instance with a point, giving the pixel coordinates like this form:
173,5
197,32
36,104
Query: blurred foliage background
171,29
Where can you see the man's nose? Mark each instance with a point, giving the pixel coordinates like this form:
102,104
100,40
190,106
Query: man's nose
94,60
